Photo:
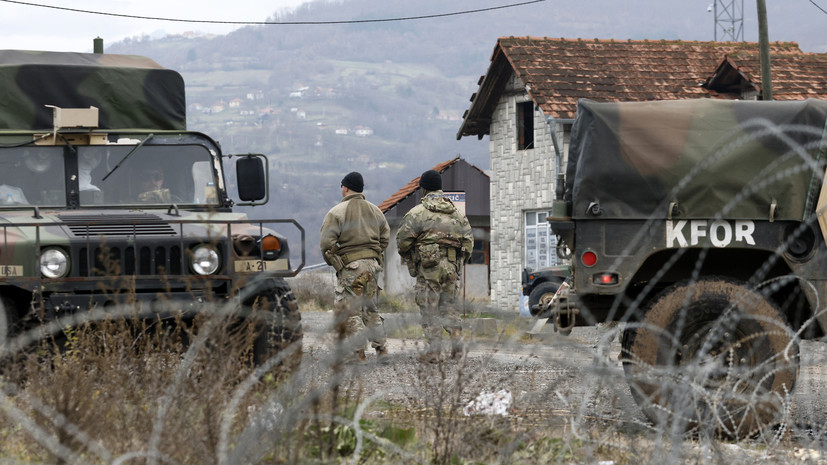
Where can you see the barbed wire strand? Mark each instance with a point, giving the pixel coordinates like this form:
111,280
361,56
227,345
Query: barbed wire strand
273,23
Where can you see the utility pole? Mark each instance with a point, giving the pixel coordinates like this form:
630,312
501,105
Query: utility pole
764,45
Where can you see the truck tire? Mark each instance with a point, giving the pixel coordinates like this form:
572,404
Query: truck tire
9,320
711,353
278,327
9,328
540,297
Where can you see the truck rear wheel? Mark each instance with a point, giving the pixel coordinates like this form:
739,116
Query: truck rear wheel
711,353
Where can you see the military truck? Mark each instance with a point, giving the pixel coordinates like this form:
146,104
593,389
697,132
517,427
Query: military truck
108,202
700,225
541,285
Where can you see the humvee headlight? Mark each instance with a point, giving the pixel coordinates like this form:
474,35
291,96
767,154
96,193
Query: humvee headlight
54,263
205,260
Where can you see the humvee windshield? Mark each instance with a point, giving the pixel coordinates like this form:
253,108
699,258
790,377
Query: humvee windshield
47,176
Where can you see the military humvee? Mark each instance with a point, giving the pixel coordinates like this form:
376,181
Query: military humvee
107,200
700,224
541,285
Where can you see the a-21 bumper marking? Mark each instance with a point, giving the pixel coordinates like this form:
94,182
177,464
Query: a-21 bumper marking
258,266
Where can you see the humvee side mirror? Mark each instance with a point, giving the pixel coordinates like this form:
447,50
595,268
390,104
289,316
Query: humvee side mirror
251,178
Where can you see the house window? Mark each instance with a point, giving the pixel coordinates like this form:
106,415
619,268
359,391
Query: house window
479,256
540,242
525,125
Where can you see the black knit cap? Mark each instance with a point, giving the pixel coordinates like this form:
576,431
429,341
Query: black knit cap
431,180
354,182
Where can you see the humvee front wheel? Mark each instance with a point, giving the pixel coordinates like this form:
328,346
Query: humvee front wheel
540,297
277,326
711,353
9,320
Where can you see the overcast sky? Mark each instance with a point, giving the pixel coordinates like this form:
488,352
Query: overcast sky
36,28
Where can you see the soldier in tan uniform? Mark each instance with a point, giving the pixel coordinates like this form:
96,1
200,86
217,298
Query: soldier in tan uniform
435,241
354,235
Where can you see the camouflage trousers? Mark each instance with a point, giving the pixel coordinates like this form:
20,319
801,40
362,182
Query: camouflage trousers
355,302
436,293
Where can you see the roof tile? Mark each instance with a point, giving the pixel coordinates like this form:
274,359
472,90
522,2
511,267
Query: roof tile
560,71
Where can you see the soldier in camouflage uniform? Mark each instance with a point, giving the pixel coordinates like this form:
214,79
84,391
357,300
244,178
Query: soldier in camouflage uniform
354,235
435,240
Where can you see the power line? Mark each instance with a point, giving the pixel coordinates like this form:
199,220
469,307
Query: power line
817,6
255,23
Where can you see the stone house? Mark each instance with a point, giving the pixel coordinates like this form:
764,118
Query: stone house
468,186
527,100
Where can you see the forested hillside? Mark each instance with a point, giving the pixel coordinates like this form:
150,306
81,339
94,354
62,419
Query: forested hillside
383,99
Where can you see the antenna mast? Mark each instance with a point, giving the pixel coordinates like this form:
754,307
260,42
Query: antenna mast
729,20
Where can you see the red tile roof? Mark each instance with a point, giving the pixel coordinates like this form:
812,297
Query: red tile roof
558,72
410,188
794,77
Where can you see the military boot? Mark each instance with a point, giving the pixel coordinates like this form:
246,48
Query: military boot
429,356
359,356
382,354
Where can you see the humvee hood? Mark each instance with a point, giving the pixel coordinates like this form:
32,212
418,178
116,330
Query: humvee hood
700,158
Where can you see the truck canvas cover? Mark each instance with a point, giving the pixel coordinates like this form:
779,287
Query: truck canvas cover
699,158
130,91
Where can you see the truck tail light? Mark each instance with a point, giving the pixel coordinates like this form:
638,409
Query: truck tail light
605,279
588,258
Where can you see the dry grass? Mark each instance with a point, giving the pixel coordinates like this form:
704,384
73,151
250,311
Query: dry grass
122,391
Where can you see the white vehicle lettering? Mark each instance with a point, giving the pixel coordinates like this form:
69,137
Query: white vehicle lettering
744,230
674,232
697,229
715,228
721,233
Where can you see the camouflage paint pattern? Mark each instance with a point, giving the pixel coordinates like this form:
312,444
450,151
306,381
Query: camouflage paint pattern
130,91
703,157
355,300
435,240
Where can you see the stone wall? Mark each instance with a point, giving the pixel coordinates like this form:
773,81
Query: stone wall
520,180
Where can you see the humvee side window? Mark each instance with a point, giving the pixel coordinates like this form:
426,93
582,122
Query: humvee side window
32,176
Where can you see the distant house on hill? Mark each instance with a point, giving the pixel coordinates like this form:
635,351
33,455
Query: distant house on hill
363,131
527,100
257,95
469,183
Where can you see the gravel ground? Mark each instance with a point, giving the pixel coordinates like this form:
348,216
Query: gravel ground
548,376
574,375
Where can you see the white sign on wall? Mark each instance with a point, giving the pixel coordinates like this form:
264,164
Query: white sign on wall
458,198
